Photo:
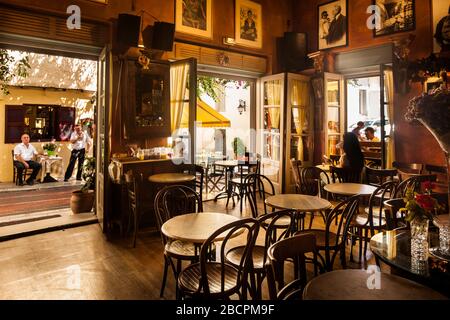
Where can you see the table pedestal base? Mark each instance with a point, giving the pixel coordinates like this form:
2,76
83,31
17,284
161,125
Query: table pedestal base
49,178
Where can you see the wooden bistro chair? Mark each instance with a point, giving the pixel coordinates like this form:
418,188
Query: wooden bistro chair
135,212
345,175
376,177
26,172
296,166
270,223
293,249
219,279
244,168
372,219
405,170
332,240
172,201
312,181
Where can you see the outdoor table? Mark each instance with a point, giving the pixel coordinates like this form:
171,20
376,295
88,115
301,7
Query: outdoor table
229,166
354,284
50,165
196,227
350,189
171,178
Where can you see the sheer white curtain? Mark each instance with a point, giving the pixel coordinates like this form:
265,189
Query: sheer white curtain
390,141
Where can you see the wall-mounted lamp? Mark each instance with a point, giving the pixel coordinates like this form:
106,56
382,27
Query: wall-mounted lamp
242,106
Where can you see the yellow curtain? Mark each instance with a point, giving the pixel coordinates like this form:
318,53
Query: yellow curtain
300,107
178,92
300,99
273,96
390,141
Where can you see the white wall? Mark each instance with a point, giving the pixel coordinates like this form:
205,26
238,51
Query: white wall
240,123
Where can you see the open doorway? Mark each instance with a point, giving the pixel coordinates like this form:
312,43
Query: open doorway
58,93
367,116
223,127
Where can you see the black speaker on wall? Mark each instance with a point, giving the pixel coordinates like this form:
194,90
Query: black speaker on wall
292,50
159,36
128,29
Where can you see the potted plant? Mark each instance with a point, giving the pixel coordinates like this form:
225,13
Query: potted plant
83,200
50,148
238,147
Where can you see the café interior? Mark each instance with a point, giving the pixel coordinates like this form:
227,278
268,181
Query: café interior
241,149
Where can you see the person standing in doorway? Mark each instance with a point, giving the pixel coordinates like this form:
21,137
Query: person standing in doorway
80,145
24,154
357,131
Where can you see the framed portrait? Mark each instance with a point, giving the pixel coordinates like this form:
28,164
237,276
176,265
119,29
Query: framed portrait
441,25
332,26
248,22
194,17
395,16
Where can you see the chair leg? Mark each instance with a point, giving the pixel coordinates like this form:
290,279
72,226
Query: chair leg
366,235
311,220
166,269
360,235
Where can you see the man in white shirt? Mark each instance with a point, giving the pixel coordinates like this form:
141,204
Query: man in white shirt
80,142
24,154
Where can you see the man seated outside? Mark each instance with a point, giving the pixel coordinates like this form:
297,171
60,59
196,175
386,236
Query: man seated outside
370,135
24,154
358,128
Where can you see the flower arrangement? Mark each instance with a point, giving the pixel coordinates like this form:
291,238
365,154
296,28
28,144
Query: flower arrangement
421,206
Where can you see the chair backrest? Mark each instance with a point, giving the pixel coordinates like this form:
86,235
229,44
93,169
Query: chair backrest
377,177
312,180
414,183
293,248
335,159
258,184
247,228
296,167
344,175
278,225
406,169
344,213
175,200
133,199
212,166
376,205
248,166
392,208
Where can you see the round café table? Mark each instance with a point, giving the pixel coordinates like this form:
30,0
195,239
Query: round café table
353,284
195,227
171,178
350,189
300,203
394,249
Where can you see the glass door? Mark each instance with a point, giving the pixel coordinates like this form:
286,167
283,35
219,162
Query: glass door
272,128
299,127
334,113
102,147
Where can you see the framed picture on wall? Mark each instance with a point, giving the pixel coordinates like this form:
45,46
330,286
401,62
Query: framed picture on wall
248,22
395,16
332,25
441,25
194,17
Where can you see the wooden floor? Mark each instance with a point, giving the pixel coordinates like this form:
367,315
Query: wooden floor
79,263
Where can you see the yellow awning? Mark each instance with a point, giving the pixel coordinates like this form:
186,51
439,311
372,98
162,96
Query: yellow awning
207,117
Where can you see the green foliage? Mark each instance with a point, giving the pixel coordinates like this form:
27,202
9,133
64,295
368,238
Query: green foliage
215,86
50,146
238,146
10,68
88,174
